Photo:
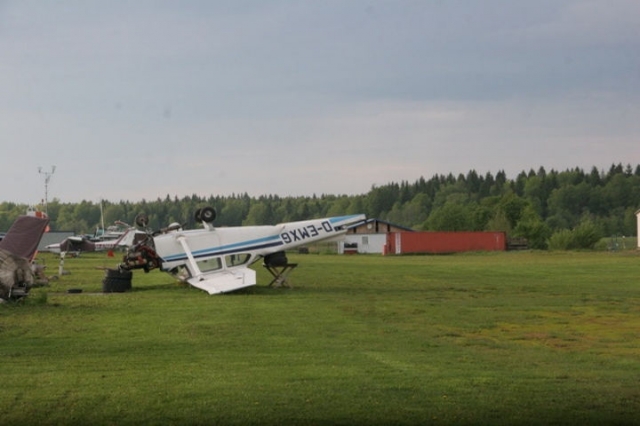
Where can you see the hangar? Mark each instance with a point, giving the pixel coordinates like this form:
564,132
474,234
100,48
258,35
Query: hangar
369,236
638,217
52,237
379,236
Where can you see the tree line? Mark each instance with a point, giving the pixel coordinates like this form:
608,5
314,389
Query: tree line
551,209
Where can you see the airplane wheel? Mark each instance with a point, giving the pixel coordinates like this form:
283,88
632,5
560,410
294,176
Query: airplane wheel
116,281
208,214
197,216
142,220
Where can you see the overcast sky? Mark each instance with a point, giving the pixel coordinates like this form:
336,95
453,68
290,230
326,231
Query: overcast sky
140,99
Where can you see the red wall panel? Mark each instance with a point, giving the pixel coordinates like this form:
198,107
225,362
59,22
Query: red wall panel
444,242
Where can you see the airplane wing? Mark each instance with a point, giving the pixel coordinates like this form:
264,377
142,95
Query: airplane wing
224,281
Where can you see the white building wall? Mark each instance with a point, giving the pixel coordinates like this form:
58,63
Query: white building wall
638,217
367,243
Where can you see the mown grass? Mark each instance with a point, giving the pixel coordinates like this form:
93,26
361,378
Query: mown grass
507,338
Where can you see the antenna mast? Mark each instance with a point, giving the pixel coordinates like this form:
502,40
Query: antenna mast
47,178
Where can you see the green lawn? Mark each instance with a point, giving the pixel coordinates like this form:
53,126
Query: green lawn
502,338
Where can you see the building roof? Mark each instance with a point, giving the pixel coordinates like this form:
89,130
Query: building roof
374,223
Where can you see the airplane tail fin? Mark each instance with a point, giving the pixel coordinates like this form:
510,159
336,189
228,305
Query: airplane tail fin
125,239
23,237
17,249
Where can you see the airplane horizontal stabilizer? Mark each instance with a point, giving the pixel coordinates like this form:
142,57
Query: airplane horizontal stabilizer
226,281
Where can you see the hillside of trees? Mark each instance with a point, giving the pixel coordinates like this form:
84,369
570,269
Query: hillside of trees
566,209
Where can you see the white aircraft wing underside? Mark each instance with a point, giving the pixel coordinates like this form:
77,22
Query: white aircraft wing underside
223,282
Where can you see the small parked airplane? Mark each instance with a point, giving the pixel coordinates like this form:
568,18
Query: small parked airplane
77,244
217,260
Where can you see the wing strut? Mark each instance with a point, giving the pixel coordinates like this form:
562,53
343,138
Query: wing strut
196,273
219,282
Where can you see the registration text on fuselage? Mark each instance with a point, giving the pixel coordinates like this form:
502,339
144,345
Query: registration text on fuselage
304,232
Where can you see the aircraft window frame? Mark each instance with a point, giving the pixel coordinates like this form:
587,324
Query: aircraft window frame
237,259
181,273
209,265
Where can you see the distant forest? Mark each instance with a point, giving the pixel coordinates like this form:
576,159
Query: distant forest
551,209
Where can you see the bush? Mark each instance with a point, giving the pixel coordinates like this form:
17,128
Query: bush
561,240
586,235
583,236
533,229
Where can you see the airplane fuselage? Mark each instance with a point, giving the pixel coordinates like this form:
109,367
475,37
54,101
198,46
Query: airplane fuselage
217,259
258,241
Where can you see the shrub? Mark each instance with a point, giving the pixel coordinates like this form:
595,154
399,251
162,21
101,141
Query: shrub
533,229
561,240
583,236
586,235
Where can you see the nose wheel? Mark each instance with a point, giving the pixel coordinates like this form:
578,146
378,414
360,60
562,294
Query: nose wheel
142,220
205,214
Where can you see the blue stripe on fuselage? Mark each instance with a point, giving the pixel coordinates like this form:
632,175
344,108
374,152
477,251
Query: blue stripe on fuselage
244,246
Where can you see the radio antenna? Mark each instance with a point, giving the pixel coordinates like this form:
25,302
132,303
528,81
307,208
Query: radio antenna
47,178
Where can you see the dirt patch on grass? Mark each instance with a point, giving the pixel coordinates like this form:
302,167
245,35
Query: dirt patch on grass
571,331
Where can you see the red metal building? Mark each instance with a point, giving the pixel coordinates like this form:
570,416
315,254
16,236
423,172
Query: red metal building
444,242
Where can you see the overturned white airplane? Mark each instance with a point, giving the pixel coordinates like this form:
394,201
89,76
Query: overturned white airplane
217,260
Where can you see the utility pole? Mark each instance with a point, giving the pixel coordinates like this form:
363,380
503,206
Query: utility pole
47,178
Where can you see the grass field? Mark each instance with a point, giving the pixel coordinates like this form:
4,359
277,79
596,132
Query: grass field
508,338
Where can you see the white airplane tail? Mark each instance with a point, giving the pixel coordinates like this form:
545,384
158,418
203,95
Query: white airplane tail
127,239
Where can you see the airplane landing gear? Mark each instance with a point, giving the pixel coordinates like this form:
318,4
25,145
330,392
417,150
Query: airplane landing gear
205,214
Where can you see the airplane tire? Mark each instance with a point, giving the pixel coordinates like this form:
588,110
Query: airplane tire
116,281
208,214
142,220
